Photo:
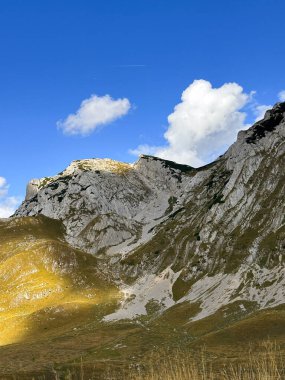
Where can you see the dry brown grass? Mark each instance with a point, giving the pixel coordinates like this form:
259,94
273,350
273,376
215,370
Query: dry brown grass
263,363
266,364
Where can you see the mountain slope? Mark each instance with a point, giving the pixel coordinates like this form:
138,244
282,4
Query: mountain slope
173,233
44,278
111,260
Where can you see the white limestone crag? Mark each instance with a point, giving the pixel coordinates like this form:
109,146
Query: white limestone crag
104,203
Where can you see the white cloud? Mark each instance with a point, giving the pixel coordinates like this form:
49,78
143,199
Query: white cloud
8,204
203,125
281,96
259,111
93,112
3,187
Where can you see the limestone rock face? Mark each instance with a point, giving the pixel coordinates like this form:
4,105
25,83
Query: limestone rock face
104,203
32,188
212,235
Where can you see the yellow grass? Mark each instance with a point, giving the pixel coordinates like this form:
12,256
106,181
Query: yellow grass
266,364
261,363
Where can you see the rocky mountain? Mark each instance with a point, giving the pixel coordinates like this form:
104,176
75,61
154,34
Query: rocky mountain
108,206
152,245
169,232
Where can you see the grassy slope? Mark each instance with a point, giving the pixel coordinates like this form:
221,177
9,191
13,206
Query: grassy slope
53,298
44,281
127,342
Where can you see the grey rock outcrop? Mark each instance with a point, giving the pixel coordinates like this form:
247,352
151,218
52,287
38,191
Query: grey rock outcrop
104,203
32,188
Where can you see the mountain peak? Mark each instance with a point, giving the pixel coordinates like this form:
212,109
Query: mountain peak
276,109
199,233
97,164
165,163
272,119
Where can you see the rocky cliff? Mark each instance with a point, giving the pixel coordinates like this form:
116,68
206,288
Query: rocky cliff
169,234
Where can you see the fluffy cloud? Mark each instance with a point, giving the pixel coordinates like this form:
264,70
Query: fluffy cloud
206,120
93,112
281,96
8,204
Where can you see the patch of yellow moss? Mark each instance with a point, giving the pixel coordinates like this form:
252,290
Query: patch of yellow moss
104,165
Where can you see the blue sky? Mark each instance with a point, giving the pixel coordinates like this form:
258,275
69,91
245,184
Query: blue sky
55,54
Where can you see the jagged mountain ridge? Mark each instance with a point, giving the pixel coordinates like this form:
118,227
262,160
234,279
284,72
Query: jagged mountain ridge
92,196
169,233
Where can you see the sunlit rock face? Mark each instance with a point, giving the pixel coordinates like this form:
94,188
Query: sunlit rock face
202,233
32,189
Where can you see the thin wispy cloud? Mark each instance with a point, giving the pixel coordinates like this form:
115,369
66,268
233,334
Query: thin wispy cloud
259,111
130,65
281,96
3,187
94,112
